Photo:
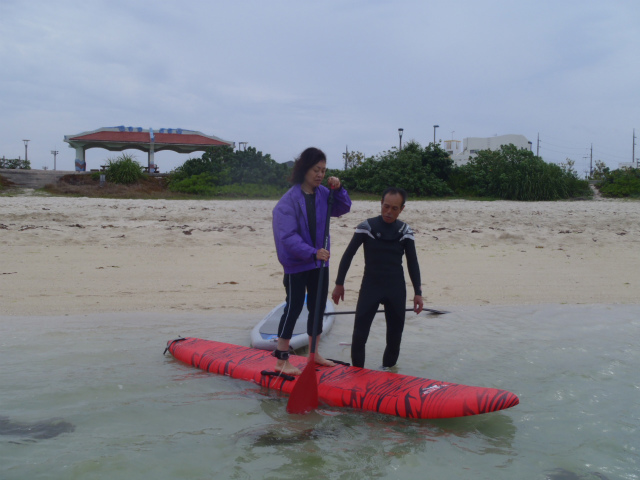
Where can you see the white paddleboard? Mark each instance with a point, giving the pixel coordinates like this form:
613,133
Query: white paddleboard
265,334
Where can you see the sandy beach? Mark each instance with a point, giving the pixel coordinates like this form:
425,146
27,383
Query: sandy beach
84,255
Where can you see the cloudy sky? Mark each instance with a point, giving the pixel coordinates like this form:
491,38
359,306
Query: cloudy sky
285,75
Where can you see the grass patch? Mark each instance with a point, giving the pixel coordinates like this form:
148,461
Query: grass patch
151,187
4,183
156,187
88,185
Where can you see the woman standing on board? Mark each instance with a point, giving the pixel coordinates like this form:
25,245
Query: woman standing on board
298,228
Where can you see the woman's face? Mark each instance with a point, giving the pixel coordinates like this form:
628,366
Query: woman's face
315,174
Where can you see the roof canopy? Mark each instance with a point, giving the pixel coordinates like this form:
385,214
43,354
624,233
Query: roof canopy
125,138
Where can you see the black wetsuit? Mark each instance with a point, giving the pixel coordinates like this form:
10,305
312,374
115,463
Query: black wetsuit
383,282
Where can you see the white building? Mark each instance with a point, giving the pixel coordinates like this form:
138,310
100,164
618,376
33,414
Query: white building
472,145
622,165
452,147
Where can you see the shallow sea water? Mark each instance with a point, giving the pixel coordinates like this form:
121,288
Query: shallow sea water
93,397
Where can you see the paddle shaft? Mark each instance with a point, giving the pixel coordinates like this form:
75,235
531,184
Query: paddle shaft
382,311
319,305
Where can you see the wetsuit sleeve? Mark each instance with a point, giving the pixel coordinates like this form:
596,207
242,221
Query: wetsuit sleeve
412,266
347,257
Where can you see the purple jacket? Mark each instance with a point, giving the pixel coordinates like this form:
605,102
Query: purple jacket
295,248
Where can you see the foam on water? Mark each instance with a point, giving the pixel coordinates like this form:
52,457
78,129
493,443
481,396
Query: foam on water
108,404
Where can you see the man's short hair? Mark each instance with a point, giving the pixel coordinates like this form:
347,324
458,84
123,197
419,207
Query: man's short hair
395,191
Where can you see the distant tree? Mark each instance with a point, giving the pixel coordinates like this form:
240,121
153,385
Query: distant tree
569,167
512,173
353,159
15,163
221,166
420,171
213,162
251,166
600,171
624,182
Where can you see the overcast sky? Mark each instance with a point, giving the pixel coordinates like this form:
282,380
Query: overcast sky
285,75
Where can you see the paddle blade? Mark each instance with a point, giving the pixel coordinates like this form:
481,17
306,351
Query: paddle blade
304,396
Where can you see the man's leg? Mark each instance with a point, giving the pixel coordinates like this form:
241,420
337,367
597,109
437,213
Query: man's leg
366,308
394,312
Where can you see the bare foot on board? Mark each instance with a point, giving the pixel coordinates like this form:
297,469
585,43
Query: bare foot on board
286,368
320,360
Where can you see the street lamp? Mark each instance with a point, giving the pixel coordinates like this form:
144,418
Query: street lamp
400,131
54,152
434,133
26,158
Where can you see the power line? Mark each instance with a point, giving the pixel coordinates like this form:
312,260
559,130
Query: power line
551,151
560,146
608,154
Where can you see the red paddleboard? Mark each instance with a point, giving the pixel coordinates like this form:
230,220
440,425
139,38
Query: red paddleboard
343,386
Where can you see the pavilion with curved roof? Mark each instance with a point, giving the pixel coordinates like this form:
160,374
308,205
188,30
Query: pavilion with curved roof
150,141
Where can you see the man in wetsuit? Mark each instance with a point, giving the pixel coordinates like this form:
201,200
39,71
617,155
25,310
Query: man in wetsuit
386,239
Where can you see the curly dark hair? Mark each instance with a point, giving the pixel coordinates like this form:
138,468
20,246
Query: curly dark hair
304,162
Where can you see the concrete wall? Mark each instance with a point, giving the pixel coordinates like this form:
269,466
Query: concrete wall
33,178
471,145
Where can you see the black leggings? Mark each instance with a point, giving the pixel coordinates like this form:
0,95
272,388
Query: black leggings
296,285
393,295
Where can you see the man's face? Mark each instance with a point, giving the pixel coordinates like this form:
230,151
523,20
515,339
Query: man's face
391,207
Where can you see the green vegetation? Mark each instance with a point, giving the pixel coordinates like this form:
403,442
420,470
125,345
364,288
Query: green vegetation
517,174
15,163
600,171
509,174
425,172
224,172
353,159
123,170
422,172
624,182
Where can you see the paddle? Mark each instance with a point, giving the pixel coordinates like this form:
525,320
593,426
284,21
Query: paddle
430,310
304,396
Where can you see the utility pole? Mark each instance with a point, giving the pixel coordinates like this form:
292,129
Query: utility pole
26,142
633,149
538,147
591,162
346,156
54,152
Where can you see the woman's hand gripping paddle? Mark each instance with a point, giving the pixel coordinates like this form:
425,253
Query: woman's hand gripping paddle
304,396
